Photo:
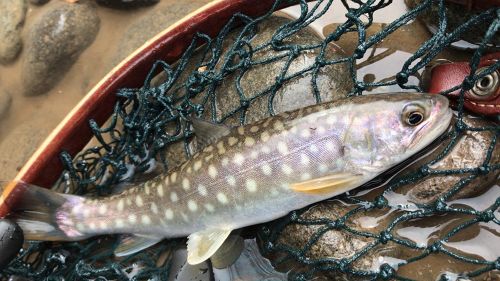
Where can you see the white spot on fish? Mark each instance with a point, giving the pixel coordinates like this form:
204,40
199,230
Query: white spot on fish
313,148
185,184
154,208
287,170
197,165
249,141
305,133
330,145
119,223
304,159
225,161
254,154
129,201
221,148
120,206
145,219
282,147
138,201
212,171
209,207
278,125
202,190
209,157
208,149
222,198
102,209
322,168
241,130
254,129
264,136
169,214
189,170
160,190
184,217
266,169
305,176
232,141
132,218
231,180
251,185
238,159
192,206
266,149
147,189
173,196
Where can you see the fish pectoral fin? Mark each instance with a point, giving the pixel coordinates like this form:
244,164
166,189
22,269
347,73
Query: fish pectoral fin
203,244
207,132
131,244
340,182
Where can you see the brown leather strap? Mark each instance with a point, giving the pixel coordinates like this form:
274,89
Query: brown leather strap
477,4
484,98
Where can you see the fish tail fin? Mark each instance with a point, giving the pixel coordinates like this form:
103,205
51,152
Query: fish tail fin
41,213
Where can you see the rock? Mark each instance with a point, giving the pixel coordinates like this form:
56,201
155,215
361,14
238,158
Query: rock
151,24
11,241
11,22
469,152
334,243
126,4
333,81
55,41
39,2
5,102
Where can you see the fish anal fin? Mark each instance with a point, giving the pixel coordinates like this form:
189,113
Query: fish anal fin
203,244
207,132
334,183
130,244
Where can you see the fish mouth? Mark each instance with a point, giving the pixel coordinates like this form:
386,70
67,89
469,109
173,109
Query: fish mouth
441,121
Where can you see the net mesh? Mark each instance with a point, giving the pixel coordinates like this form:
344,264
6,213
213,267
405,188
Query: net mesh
149,121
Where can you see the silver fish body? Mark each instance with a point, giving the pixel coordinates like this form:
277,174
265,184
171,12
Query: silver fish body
261,171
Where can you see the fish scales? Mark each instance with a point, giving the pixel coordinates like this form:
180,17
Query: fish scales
250,174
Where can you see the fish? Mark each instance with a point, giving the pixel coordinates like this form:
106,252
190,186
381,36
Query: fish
244,175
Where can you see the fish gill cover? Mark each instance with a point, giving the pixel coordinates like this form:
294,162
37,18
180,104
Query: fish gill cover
148,124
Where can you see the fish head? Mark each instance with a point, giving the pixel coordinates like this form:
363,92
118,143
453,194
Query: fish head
389,128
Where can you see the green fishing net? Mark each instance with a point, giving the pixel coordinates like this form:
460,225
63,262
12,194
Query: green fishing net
149,121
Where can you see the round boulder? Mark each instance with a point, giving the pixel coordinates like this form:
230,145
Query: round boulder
12,13
55,41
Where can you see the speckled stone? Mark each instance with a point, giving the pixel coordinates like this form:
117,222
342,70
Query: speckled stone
333,243
469,152
55,41
12,14
5,102
126,4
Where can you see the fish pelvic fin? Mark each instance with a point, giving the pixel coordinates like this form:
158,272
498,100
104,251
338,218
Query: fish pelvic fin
203,244
331,184
41,213
131,244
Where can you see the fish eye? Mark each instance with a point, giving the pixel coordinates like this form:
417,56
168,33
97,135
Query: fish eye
413,115
487,85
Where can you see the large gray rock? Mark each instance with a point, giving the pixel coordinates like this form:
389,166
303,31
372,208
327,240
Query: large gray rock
152,23
5,102
55,41
12,13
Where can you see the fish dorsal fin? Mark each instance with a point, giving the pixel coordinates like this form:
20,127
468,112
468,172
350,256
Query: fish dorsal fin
131,244
339,183
203,244
207,132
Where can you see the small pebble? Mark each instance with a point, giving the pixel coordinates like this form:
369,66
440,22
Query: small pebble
11,241
126,4
12,14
